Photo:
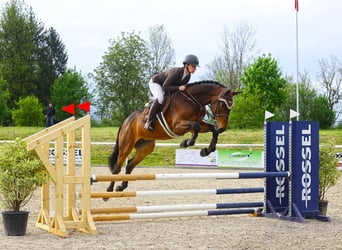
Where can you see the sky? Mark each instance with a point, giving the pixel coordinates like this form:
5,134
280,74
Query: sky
197,27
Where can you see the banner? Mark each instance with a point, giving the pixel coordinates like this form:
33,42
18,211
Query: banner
78,156
240,158
277,160
192,157
305,166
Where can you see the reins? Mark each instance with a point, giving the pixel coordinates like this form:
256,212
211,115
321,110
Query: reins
191,98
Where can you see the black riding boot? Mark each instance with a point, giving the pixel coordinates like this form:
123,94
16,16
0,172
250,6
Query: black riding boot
151,115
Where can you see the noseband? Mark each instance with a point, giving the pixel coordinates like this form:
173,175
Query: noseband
229,105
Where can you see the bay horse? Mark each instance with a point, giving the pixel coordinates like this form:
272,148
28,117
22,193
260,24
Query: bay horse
183,114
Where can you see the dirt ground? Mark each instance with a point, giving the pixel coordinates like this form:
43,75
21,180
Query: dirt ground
213,232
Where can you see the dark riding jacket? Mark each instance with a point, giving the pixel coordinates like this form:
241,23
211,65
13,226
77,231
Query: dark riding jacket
171,79
49,111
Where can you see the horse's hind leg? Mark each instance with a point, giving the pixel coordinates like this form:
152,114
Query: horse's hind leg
116,160
143,148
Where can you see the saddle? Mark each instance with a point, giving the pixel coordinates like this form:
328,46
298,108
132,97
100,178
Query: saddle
167,105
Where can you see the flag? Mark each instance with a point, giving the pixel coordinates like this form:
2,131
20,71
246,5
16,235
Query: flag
293,113
84,106
70,109
296,5
268,114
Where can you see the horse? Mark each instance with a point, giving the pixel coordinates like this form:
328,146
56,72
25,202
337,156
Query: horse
182,113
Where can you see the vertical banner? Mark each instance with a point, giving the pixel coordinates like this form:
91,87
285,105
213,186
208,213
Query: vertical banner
277,160
305,166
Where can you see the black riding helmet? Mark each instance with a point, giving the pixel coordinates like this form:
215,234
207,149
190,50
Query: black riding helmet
191,59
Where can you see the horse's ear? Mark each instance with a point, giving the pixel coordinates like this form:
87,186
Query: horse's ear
236,92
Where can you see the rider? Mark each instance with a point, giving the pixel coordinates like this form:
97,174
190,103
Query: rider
169,81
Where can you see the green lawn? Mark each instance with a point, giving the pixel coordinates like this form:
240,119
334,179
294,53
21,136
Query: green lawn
162,156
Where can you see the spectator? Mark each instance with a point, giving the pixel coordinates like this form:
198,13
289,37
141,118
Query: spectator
49,113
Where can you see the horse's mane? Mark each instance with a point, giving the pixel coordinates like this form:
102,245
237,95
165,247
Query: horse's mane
206,82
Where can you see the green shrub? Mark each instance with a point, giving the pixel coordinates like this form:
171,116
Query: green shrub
328,172
29,112
21,172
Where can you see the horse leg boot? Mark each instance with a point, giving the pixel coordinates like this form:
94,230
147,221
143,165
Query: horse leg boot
151,115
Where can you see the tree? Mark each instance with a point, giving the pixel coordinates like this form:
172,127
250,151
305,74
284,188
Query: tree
31,58
67,89
4,97
52,61
322,112
265,90
237,52
246,113
17,50
313,106
330,77
28,113
263,78
160,48
122,78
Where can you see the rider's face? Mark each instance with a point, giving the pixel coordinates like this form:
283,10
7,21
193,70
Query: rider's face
191,68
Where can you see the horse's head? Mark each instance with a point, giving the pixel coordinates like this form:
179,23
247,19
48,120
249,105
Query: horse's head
221,107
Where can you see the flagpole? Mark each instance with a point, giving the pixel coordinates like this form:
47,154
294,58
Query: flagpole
297,71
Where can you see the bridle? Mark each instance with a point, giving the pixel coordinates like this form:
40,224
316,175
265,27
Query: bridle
229,105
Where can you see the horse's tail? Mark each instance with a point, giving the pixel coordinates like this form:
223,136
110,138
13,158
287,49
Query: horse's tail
113,158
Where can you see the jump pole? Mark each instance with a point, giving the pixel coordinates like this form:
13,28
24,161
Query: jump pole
137,177
172,214
178,207
175,192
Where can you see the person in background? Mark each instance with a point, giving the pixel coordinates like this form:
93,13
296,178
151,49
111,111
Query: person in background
49,113
169,81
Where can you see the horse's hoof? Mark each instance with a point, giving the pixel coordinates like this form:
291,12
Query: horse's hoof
184,144
118,189
105,199
204,152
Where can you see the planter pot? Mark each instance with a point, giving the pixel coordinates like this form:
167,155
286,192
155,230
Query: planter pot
15,222
323,207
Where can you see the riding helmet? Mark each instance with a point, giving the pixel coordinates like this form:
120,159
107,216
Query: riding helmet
191,59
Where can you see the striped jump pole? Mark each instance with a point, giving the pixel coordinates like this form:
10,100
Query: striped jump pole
174,214
136,177
176,192
178,207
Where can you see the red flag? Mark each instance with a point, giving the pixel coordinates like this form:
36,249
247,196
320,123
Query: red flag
84,106
296,5
70,109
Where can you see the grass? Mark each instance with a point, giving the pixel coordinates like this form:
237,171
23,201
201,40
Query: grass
162,156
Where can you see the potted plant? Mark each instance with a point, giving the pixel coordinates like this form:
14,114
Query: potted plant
328,173
21,172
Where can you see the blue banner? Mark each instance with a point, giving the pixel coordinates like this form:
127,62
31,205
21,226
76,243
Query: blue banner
277,160
305,166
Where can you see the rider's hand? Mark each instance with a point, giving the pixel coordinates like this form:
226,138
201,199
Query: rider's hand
181,88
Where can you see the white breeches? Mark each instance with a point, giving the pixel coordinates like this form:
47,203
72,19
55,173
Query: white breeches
156,91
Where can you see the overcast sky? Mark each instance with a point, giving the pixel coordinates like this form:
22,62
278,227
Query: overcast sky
197,27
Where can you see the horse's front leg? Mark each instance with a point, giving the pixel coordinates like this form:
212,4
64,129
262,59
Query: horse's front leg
195,126
212,145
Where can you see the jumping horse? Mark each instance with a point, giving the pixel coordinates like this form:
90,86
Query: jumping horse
184,113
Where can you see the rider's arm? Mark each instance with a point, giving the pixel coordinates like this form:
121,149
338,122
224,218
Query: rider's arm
173,80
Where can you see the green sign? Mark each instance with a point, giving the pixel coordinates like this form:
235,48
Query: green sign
240,158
